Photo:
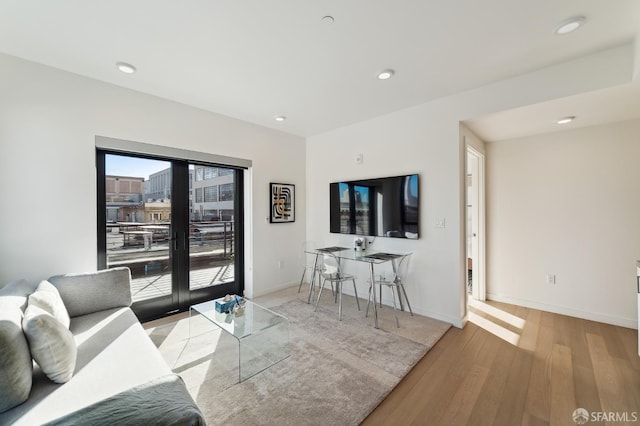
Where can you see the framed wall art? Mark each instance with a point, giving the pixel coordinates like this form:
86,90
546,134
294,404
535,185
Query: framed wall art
282,202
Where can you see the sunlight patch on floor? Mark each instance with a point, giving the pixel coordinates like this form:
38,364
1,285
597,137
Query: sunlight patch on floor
503,316
496,321
495,329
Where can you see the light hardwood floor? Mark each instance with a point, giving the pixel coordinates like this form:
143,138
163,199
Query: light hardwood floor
542,368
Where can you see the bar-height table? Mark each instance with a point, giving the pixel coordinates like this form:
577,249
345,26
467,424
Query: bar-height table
367,256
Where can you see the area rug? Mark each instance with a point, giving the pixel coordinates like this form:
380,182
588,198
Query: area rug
337,371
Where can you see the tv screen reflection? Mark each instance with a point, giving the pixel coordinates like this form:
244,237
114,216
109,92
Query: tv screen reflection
381,207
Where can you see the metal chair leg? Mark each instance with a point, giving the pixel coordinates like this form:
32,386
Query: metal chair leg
319,294
339,290
355,291
395,314
304,271
366,313
405,297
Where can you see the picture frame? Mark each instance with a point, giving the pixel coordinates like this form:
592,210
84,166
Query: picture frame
282,205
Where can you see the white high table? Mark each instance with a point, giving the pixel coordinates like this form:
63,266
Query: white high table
368,256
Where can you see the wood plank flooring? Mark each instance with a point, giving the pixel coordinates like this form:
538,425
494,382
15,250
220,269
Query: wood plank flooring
531,368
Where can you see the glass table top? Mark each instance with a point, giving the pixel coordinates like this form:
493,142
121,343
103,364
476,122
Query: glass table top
255,319
369,256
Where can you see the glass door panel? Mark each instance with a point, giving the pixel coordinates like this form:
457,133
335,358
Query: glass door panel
177,226
138,223
211,227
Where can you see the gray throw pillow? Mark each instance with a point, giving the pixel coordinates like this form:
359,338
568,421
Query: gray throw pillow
16,365
48,298
52,344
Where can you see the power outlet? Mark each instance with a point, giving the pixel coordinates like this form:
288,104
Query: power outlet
551,278
440,223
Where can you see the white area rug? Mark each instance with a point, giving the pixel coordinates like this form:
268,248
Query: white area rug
337,373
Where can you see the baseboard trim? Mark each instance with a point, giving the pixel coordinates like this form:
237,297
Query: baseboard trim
265,291
563,310
456,322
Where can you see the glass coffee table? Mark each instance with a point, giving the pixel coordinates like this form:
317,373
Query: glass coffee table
260,335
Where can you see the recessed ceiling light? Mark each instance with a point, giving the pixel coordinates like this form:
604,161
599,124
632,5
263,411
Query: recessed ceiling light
279,118
385,74
126,68
570,25
565,120
328,19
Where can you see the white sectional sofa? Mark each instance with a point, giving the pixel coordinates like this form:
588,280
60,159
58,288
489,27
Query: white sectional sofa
119,375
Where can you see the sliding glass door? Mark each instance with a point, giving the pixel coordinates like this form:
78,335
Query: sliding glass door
215,231
177,225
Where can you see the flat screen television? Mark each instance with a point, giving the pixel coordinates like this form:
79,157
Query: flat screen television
380,207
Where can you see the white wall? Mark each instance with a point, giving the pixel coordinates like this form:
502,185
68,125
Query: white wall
566,203
48,123
397,144
426,139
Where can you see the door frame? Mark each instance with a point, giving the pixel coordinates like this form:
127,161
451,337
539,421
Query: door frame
181,297
479,291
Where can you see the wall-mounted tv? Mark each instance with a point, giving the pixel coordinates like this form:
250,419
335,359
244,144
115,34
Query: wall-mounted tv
380,207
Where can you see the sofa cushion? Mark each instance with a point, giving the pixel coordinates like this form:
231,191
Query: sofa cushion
16,366
47,298
17,293
86,293
52,344
164,401
114,354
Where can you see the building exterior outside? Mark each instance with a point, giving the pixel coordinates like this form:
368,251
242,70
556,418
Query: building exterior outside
158,187
124,196
132,199
157,211
213,195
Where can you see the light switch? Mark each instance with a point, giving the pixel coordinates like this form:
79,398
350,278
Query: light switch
440,223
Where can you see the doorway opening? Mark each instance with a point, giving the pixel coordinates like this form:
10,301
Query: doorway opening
176,224
475,223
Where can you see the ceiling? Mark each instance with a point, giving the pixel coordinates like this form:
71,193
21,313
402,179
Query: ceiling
256,59
610,105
